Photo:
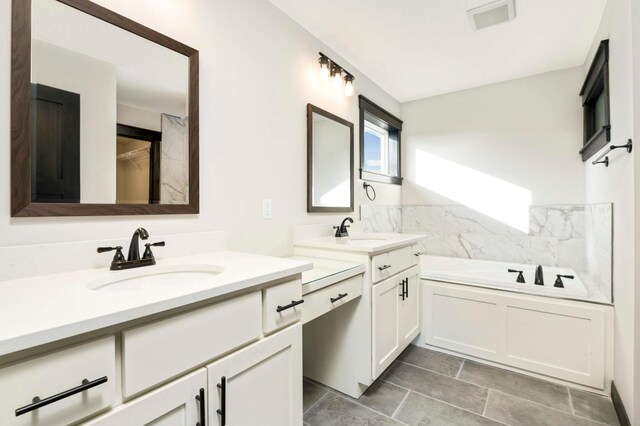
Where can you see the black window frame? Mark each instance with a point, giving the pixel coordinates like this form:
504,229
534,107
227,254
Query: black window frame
370,111
596,83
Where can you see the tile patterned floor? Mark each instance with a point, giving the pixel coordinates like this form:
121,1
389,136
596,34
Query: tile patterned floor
424,387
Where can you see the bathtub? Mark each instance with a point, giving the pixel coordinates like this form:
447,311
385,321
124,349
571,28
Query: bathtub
489,274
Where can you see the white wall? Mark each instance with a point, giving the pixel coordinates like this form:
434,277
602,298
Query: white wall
138,117
258,70
95,82
616,184
510,131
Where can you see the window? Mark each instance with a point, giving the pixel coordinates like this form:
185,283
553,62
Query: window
379,144
595,104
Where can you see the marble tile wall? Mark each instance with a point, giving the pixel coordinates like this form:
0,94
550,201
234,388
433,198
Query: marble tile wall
174,163
575,236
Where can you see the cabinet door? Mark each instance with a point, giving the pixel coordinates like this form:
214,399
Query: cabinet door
175,404
259,385
410,311
386,306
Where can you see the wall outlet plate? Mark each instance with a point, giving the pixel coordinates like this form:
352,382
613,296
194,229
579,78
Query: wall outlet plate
267,209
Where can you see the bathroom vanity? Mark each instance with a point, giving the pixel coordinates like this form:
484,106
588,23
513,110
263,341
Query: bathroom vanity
372,331
204,339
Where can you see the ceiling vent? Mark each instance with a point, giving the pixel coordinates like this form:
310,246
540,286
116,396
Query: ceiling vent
493,13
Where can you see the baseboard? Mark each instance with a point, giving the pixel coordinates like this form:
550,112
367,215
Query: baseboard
619,406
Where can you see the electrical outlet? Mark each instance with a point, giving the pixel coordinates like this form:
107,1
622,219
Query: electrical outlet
267,209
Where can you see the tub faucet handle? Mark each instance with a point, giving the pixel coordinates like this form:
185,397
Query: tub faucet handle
559,277
520,278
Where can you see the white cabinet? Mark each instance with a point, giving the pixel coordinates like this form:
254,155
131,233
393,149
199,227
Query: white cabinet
180,403
396,319
259,385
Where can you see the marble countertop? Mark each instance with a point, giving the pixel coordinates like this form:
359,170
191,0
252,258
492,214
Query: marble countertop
44,309
326,272
362,242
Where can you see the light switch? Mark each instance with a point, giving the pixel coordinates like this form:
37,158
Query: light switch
267,209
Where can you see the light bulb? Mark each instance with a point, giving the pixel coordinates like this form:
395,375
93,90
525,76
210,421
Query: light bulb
348,87
324,72
337,78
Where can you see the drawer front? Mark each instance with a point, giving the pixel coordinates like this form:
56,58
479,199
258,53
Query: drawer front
164,349
281,305
385,265
52,374
324,300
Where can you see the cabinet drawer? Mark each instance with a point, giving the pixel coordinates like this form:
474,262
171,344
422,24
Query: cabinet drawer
281,305
161,350
52,374
324,300
385,265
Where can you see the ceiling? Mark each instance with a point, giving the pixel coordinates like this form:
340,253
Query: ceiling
419,48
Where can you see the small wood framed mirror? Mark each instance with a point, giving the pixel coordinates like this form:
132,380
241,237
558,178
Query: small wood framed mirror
329,162
104,114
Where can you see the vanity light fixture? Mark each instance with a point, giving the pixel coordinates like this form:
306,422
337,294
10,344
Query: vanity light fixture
324,67
348,86
339,77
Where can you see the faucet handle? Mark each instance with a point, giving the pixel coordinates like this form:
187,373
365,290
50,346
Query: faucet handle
118,257
147,251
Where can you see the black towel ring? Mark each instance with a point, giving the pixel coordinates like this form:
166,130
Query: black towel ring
366,187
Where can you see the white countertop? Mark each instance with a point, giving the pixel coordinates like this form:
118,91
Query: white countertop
326,272
363,242
44,309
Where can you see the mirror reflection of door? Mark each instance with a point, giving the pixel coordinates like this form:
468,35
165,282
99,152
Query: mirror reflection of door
138,166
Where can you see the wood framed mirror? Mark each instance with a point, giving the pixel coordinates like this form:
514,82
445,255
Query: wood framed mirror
329,162
104,114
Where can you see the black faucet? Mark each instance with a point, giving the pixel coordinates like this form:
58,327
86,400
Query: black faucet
520,278
134,246
341,231
133,259
539,279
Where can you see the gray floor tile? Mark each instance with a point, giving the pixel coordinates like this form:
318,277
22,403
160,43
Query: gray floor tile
432,360
420,410
311,394
520,412
335,410
464,395
593,406
530,388
383,397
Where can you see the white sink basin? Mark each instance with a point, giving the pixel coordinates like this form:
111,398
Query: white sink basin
154,277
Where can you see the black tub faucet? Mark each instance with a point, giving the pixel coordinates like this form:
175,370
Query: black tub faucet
559,277
539,279
134,246
341,231
520,278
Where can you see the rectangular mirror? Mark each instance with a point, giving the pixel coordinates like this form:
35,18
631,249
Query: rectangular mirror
104,114
329,162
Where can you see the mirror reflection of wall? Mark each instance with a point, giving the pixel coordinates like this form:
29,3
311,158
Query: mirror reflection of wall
89,79
331,168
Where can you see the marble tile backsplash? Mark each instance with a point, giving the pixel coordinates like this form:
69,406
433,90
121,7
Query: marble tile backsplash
575,236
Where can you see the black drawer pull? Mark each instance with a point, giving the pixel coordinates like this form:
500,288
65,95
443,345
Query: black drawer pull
418,254
340,296
39,403
383,267
222,411
290,305
402,290
406,287
201,399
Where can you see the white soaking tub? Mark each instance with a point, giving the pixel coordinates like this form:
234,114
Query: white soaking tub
475,309
489,274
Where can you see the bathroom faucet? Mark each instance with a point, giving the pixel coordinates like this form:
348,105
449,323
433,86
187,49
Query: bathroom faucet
539,279
133,259
341,231
134,246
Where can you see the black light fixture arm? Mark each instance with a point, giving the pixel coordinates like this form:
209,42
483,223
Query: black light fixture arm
335,64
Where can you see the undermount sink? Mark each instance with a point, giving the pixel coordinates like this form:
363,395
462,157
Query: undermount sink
155,277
